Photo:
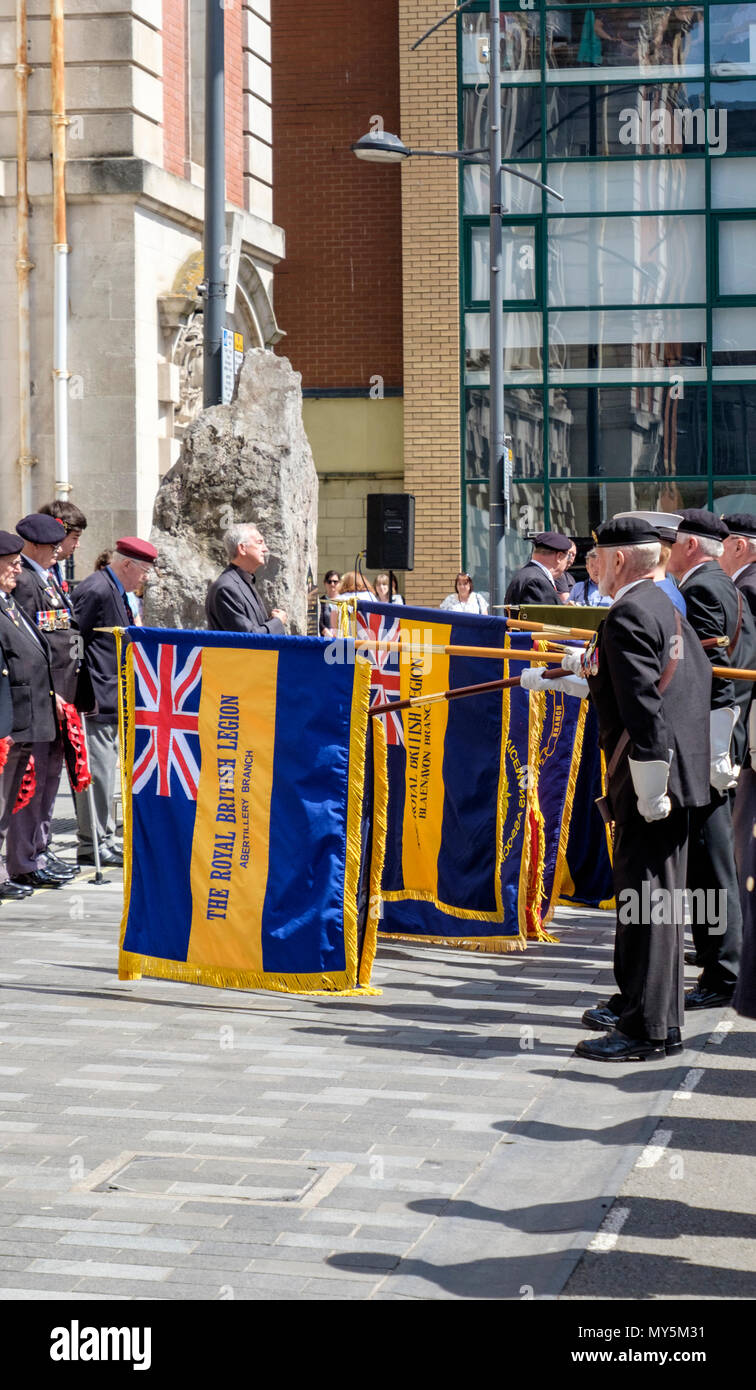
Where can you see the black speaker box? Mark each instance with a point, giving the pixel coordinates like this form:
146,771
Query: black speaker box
390,531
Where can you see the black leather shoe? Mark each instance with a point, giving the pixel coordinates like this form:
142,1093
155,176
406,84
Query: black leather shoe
39,879
59,866
14,892
109,859
616,1047
702,998
673,1043
52,871
690,958
600,1019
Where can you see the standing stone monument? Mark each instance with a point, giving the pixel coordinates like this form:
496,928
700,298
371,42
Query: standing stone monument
246,461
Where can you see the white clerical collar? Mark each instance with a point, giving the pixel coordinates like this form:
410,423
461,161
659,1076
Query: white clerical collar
627,587
548,573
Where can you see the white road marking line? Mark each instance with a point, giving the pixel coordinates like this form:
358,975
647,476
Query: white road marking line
607,1237
690,1081
654,1151
721,1031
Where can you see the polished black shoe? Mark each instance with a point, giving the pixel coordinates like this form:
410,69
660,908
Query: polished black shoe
13,891
600,1019
616,1047
690,958
59,866
673,1042
41,878
109,859
702,998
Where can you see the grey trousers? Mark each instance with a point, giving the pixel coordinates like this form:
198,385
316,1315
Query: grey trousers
102,746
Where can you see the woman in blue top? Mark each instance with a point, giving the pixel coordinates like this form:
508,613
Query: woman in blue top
586,591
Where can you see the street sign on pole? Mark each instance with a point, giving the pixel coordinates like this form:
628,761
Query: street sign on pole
228,373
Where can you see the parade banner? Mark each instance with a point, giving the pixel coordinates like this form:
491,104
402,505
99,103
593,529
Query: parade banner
465,845
248,826
587,880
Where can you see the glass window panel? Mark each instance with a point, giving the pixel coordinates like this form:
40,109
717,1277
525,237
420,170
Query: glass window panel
476,535
624,119
736,496
627,344
664,42
518,262
733,414
732,40
627,260
733,183
517,196
523,420
630,185
521,122
651,431
737,256
577,508
738,101
733,333
520,47
523,356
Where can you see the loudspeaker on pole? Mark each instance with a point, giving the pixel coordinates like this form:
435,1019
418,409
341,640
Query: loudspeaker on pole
390,531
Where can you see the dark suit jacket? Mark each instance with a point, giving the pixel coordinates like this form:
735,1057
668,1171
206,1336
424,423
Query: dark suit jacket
234,605
712,606
531,585
634,645
746,583
66,648
97,603
6,698
27,661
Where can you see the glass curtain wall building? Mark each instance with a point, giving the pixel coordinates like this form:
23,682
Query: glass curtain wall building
630,323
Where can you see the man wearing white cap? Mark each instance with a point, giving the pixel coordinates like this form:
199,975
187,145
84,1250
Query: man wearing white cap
666,523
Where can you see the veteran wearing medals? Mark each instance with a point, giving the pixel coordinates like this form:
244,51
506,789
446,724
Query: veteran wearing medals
650,682
35,726
47,606
720,616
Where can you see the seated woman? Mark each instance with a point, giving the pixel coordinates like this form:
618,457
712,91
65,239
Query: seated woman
465,598
383,590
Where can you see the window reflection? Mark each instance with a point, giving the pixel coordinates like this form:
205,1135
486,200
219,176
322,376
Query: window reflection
523,420
738,99
732,39
654,431
630,41
625,119
734,424
520,47
627,260
627,343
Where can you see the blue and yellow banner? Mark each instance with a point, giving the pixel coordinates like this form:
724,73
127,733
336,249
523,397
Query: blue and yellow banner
465,846
587,880
248,825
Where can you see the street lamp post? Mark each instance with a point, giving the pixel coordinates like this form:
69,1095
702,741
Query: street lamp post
380,147
214,310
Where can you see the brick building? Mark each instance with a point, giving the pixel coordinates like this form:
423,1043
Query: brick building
134,75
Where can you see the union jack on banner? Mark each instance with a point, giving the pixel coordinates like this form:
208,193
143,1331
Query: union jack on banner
385,675
161,695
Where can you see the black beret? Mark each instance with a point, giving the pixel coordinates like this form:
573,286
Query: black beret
741,524
41,529
697,521
552,540
626,530
10,544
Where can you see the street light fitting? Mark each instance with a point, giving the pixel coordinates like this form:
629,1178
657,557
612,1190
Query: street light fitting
381,147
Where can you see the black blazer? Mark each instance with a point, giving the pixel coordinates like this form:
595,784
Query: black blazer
633,646
746,583
97,603
6,699
234,605
531,585
35,596
712,606
27,661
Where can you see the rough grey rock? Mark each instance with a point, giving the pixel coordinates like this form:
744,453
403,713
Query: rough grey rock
246,461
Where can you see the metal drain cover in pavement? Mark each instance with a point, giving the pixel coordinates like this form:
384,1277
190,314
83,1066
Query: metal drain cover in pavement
193,1177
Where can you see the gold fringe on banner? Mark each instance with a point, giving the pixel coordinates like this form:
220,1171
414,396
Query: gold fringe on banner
561,863
380,832
485,945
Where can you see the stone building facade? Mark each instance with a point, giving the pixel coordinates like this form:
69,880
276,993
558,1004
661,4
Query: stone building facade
134,194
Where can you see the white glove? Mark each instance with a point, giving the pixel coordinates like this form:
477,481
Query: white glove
568,685
571,662
723,774
650,783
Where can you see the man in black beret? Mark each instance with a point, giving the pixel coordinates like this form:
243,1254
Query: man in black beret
739,554
650,683
46,606
723,622
535,582
27,662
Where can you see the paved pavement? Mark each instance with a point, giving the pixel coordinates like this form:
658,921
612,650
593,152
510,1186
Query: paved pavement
165,1141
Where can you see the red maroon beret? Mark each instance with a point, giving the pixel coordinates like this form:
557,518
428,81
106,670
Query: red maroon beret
134,549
